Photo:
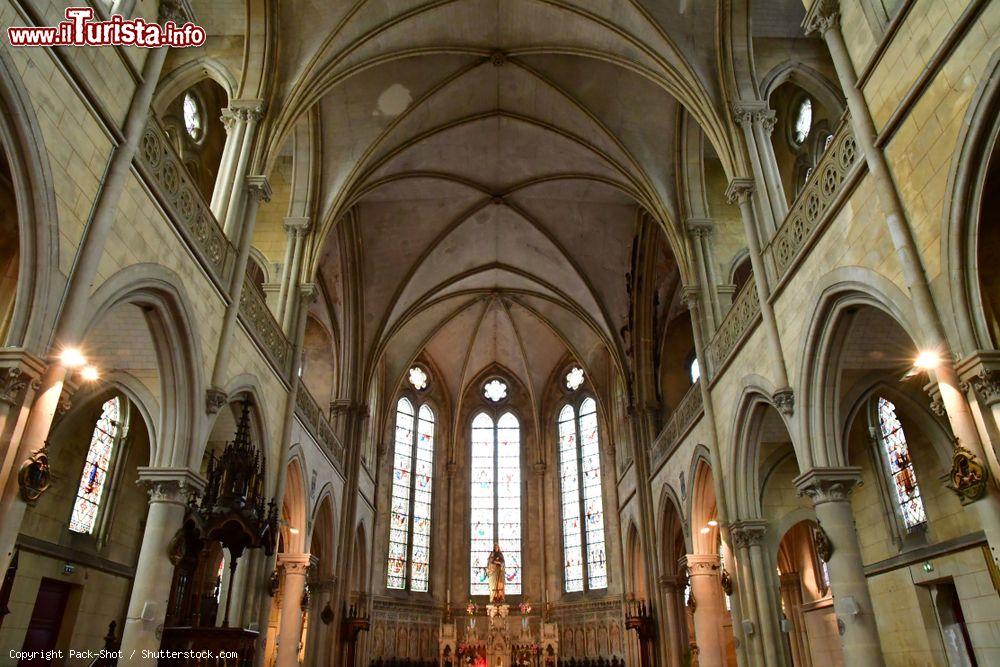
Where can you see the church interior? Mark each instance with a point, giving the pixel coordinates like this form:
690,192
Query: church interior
577,333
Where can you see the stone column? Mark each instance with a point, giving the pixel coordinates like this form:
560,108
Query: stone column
707,592
673,630
791,597
169,489
248,114
698,232
295,569
762,605
740,191
297,229
830,490
224,178
757,122
824,17
747,598
19,380
257,189
319,643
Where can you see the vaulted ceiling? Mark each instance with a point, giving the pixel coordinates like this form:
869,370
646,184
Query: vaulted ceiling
497,159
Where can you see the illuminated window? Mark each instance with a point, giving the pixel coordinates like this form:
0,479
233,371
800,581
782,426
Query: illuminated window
896,456
802,120
410,514
574,378
694,370
193,122
495,499
495,390
584,557
108,432
418,378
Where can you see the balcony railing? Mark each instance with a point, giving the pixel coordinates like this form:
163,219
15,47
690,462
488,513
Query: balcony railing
681,420
741,317
263,327
816,201
318,425
176,192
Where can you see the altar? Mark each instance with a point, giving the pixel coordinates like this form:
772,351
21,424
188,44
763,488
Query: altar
494,635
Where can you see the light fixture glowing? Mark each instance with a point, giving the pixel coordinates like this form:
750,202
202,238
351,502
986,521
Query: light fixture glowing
713,523
293,531
705,529
90,374
927,359
72,357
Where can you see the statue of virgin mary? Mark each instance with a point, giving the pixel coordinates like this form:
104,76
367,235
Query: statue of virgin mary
495,574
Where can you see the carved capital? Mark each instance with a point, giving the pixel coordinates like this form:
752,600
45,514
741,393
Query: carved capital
828,485
937,407
14,384
215,398
296,564
739,191
784,400
259,188
986,384
229,119
746,534
700,227
308,293
690,296
824,15
767,119
173,486
178,11
247,110
297,226
703,564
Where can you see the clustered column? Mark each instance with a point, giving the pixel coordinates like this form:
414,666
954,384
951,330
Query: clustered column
830,490
675,623
296,230
759,597
757,121
227,199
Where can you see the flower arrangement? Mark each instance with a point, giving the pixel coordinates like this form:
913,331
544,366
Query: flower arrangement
525,607
470,609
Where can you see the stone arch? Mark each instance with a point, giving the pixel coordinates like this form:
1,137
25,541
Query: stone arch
839,294
323,527
32,318
159,293
295,506
808,79
970,167
673,532
703,509
187,75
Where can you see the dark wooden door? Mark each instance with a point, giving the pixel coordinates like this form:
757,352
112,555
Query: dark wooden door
46,620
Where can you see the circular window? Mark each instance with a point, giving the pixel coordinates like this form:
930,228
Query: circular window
574,378
802,119
495,390
193,117
418,378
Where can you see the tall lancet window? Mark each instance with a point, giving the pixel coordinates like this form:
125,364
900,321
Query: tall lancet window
899,465
410,517
495,499
584,559
105,440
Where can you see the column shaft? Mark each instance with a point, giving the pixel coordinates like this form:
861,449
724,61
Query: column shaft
290,628
704,573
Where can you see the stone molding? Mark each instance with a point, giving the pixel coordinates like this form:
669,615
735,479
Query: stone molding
20,372
784,400
259,187
825,485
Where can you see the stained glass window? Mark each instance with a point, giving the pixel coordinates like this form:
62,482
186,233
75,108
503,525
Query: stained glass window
108,430
495,499
192,117
802,120
899,465
410,512
584,557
